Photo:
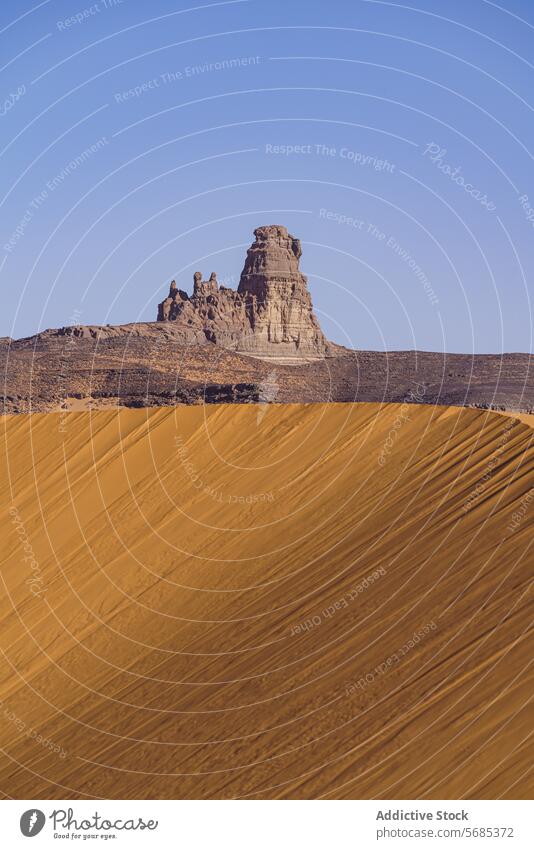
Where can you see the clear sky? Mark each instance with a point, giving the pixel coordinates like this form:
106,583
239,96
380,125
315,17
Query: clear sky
143,141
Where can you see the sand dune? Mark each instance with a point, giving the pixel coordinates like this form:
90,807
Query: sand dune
266,601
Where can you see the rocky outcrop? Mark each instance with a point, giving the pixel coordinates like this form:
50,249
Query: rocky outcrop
271,313
144,365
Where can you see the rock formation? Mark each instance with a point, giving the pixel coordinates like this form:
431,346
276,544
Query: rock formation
270,314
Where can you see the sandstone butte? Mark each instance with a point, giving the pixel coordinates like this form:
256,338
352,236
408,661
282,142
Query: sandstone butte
302,601
260,343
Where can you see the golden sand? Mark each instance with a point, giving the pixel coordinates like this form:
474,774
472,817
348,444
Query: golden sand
266,601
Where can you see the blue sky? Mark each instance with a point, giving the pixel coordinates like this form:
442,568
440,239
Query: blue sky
141,142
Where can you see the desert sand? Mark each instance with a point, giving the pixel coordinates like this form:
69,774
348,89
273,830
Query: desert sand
266,601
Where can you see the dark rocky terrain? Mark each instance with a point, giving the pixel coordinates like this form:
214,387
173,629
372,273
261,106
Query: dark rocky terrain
259,344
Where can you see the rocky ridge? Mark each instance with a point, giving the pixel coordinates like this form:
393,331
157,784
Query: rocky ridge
260,344
271,313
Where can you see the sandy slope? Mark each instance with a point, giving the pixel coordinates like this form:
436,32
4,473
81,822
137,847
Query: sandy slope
200,622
